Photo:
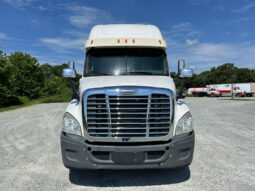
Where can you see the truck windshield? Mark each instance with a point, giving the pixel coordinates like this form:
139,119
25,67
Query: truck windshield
126,61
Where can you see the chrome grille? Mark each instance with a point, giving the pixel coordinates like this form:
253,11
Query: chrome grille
119,116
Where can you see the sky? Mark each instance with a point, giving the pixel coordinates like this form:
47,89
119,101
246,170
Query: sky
206,33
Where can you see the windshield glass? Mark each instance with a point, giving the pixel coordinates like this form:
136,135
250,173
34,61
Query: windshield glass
125,61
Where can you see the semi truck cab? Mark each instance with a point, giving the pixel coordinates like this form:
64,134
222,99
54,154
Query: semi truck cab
127,113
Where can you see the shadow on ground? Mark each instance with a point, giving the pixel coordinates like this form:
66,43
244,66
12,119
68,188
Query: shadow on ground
118,178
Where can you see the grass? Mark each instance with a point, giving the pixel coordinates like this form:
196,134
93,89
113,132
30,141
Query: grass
65,96
32,102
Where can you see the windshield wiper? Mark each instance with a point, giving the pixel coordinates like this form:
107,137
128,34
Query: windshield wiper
147,73
98,74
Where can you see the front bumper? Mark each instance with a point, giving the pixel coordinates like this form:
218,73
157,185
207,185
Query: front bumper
78,154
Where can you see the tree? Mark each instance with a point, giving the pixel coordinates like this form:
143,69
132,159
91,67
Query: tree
26,77
244,75
7,95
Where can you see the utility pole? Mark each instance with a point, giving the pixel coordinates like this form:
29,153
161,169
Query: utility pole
232,93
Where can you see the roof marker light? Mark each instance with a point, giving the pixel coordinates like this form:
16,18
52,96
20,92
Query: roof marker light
126,41
159,41
133,40
91,42
118,40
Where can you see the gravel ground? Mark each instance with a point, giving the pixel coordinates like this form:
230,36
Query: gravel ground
224,156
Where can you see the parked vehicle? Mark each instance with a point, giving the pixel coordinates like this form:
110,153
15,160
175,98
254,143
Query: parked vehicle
248,88
203,91
127,113
226,90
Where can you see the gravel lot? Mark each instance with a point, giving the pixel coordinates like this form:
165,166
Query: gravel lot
224,156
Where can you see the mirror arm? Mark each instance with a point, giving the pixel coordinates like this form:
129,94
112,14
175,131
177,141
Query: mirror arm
180,93
75,94
178,69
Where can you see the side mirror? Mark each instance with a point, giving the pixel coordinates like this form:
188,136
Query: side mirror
184,72
70,71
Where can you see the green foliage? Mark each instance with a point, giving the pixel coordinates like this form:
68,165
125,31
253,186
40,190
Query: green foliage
26,76
7,95
23,99
63,96
23,79
226,73
53,85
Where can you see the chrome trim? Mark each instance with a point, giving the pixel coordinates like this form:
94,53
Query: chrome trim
147,116
186,73
127,92
131,118
123,128
108,115
132,113
116,91
68,73
165,122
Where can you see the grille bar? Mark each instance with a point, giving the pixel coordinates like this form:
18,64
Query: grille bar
98,118
167,122
109,121
120,113
124,128
119,133
147,116
119,103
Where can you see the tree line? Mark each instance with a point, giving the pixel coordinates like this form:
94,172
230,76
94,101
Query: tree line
23,79
226,73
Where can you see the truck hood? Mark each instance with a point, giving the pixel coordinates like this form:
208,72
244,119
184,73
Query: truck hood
110,81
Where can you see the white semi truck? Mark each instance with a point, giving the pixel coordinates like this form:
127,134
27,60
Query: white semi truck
203,91
227,89
247,88
126,113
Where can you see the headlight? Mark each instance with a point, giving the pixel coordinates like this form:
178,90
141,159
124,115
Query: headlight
184,125
70,125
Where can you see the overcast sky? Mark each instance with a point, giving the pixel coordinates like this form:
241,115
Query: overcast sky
205,33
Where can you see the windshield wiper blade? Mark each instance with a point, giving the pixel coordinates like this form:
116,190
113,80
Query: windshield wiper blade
98,74
149,73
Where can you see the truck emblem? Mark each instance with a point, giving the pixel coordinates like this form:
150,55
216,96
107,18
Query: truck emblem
125,139
128,92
